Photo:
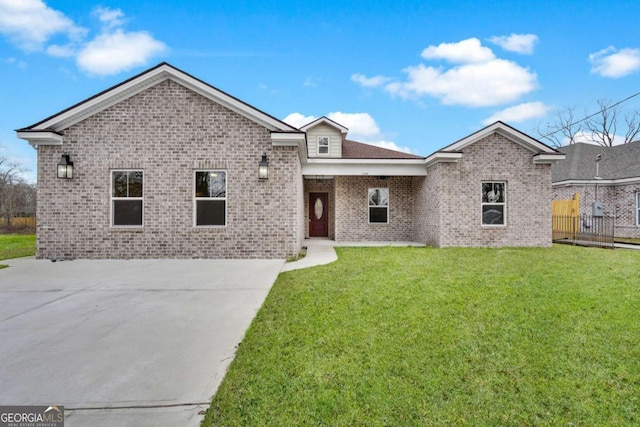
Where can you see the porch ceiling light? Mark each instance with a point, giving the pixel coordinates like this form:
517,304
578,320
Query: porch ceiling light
263,168
65,167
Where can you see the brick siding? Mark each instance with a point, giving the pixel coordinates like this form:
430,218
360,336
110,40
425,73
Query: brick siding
456,189
619,201
352,209
169,131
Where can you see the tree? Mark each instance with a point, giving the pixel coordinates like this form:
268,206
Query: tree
564,127
600,128
17,198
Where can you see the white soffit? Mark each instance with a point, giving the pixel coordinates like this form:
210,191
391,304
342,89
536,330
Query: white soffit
41,137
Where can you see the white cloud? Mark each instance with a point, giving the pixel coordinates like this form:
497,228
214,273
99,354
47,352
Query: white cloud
614,63
110,18
360,125
519,43
464,52
518,113
65,51
478,78
369,81
31,23
298,120
475,85
111,53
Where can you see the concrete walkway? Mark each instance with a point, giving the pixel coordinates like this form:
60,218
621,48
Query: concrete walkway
321,252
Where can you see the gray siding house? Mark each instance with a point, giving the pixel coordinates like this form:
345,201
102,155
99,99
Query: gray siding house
168,166
616,181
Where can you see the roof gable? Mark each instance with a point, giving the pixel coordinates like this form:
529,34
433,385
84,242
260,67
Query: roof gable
327,121
508,132
145,80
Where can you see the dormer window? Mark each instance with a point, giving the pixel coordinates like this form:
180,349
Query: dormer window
323,145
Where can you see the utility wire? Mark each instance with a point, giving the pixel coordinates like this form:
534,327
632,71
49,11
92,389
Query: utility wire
591,115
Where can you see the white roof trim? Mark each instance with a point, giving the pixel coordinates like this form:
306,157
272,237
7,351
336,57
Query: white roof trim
547,158
40,138
591,182
442,156
365,167
506,131
150,78
287,139
327,121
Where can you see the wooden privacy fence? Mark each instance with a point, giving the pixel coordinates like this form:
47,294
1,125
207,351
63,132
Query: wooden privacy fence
565,217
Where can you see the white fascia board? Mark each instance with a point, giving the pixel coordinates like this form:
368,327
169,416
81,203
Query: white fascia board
365,167
149,79
548,158
592,182
40,138
442,156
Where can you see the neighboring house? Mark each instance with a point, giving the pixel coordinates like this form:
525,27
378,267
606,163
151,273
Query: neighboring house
166,165
616,180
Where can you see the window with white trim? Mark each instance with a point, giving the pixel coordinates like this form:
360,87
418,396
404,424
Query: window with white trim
638,208
210,198
323,145
494,206
126,198
378,206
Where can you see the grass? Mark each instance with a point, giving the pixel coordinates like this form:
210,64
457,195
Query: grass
465,337
16,246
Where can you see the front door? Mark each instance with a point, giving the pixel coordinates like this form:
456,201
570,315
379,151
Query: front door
318,215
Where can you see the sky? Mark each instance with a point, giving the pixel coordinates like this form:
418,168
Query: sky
408,75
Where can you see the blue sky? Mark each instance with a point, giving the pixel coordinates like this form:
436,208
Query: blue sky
416,75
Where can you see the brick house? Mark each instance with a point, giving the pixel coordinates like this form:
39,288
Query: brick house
617,182
168,166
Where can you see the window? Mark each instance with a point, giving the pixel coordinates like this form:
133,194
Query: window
638,208
210,200
323,145
126,198
493,203
378,206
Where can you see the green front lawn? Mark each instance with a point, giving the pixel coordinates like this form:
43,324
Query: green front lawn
16,246
421,336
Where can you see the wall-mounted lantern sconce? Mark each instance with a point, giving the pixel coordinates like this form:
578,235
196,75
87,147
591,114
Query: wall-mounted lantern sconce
263,168
65,167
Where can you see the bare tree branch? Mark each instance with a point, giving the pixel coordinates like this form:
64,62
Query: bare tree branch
562,130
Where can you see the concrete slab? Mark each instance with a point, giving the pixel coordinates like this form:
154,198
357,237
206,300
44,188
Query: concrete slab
151,337
321,251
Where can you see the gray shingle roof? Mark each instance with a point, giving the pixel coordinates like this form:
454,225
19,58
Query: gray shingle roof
620,161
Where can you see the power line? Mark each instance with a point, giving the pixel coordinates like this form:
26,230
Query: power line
591,115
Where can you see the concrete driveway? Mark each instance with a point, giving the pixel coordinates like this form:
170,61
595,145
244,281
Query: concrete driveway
126,343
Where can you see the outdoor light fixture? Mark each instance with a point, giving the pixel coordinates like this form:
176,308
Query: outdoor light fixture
65,167
263,168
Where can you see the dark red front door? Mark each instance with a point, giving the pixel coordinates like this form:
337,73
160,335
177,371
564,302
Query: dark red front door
318,215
